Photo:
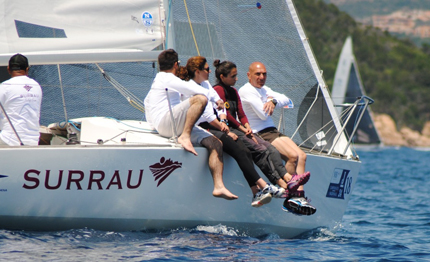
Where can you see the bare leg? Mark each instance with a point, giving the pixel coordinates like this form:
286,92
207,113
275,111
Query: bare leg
216,167
197,105
293,155
260,184
254,190
288,154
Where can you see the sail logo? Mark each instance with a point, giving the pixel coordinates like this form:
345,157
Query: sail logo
162,170
147,19
340,184
2,189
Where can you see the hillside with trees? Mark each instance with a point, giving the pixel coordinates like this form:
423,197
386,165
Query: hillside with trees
395,72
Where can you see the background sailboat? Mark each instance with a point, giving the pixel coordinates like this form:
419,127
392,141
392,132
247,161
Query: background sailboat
347,88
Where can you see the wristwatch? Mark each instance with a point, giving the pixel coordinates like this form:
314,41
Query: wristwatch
274,101
224,121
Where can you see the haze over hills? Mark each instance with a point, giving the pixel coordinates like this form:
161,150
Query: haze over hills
404,18
360,9
395,72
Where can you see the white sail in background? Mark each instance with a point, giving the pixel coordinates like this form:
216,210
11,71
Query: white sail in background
102,30
342,75
346,88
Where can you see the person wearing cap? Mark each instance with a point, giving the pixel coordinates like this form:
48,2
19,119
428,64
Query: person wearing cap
21,100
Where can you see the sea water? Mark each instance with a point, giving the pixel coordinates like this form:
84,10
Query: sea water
387,219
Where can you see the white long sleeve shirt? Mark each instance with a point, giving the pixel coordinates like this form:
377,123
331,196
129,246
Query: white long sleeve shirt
209,115
156,103
21,98
253,100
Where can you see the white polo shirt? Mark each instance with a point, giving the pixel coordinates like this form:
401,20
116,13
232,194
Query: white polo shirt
21,98
253,100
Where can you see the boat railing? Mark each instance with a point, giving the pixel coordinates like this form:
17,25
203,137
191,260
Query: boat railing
341,145
361,104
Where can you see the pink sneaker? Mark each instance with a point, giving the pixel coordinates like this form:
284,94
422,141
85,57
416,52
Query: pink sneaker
298,180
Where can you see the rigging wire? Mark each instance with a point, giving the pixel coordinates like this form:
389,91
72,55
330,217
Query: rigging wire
131,98
167,25
191,27
62,93
207,25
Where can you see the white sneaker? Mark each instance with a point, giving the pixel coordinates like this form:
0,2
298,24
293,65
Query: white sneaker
277,192
299,206
261,198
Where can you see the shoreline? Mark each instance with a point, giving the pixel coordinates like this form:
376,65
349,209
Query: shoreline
406,137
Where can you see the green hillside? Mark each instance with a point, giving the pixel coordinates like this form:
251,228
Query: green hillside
395,73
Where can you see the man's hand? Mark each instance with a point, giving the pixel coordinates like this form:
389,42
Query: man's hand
269,107
220,104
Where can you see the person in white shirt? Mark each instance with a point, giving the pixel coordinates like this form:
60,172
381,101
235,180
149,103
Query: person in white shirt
185,114
21,100
259,102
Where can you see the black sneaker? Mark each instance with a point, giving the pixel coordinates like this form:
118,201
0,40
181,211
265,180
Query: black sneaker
298,206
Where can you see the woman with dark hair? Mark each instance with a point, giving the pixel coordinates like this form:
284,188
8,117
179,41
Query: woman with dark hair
264,154
197,70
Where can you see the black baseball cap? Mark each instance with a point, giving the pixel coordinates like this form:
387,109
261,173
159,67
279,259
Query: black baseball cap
18,62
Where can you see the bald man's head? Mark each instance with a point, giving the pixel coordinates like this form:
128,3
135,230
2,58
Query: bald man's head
257,74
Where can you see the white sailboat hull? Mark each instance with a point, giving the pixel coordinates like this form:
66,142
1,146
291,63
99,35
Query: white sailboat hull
104,184
99,188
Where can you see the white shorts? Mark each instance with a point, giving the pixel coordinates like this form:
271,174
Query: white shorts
165,127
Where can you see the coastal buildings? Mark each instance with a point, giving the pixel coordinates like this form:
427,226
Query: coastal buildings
408,22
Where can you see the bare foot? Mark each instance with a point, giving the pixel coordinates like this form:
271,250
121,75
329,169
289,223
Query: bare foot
224,193
187,145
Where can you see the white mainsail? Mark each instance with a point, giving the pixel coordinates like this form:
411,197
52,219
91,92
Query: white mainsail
51,32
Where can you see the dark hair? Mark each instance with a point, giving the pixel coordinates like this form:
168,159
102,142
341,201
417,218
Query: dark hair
167,59
223,68
195,63
18,62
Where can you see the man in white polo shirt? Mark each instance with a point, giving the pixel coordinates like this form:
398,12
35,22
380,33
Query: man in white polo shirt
258,102
21,100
